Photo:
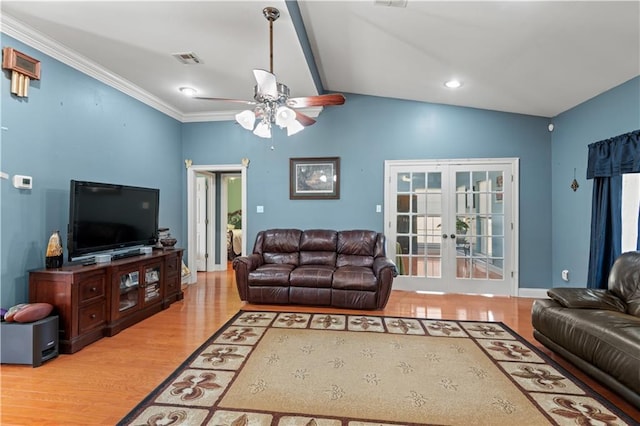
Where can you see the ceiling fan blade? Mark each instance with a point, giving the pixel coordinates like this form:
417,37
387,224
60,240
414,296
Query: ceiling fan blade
319,100
304,119
239,101
267,85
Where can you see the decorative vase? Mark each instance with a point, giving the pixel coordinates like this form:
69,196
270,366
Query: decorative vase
168,242
54,251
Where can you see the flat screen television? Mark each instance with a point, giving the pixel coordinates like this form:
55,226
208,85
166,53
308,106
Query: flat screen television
107,217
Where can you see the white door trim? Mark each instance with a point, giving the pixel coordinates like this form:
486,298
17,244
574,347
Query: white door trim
512,162
210,210
191,208
224,207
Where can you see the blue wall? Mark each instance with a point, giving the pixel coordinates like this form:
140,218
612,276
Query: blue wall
364,133
73,127
614,112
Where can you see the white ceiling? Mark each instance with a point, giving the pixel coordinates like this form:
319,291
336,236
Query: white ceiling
529,57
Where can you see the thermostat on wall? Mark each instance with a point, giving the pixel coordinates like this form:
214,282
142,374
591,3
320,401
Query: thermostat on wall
23,182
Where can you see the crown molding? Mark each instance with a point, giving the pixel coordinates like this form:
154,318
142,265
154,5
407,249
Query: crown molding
27,35
197,117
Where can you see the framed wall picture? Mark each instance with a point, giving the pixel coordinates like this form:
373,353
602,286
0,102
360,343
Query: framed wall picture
314,178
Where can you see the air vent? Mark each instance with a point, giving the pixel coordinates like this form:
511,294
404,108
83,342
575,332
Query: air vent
188,58
391,3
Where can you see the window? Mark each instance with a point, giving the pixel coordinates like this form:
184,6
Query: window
630,209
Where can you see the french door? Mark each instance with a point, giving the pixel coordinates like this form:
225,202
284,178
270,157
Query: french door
450,225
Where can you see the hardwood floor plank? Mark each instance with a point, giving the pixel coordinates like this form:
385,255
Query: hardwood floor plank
104,381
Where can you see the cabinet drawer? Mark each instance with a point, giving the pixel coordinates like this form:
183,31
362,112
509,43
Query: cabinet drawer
92,316
173,266
91,288
172,285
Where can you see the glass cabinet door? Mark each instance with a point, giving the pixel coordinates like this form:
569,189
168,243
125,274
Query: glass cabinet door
151,283
129,290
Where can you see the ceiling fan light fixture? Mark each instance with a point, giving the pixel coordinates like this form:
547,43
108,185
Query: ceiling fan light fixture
246,119
294,127
284,116
272,104
263,129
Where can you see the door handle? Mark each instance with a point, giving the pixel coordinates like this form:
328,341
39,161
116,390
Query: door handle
445,236
453,236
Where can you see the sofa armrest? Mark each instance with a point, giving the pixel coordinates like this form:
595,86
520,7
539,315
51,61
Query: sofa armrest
384,270
251,262
587,298
243,265
380,263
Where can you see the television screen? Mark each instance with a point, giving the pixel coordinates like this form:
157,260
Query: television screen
105,217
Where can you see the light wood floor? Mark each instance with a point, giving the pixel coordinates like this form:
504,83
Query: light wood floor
104,381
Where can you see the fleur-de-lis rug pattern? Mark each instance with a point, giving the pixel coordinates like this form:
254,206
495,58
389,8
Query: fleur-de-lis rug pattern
269,368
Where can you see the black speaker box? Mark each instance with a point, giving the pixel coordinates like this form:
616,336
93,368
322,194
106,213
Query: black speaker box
29,343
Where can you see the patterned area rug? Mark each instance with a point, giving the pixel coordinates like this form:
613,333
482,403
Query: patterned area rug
269,368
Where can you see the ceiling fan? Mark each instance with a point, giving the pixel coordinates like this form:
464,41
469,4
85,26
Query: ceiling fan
272,103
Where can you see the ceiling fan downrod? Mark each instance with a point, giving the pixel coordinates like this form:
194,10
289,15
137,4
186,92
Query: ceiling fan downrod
271,13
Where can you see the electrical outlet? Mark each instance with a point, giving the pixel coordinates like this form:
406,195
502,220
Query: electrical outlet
378,208
565,275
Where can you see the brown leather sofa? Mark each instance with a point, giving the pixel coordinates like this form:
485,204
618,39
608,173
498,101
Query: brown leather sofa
345,269
598,330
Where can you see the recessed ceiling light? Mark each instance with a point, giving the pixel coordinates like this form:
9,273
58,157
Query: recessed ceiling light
188,91
453,84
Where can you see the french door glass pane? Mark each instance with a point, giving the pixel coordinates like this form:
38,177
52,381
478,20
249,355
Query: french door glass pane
479,225
419,216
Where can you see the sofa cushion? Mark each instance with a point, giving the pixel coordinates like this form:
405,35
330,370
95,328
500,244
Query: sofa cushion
312,276
268,294
606,339
356,248
624,280
271,274
280,246
353,299
310,296
587,298
318,247
325,258
354,278
318,240
357,242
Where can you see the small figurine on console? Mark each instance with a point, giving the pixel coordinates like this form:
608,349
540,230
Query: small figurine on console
54,251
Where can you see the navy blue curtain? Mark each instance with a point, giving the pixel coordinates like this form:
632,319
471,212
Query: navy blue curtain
608,161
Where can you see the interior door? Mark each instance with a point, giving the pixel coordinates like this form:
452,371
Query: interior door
451,225
201,222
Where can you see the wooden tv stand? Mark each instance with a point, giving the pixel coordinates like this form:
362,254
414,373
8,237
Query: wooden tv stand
105,298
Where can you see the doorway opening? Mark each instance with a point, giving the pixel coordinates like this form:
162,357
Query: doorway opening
208,190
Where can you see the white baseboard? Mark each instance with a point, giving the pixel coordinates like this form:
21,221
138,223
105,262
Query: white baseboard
534,293
217,267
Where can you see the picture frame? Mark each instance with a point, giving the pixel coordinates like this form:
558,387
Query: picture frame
314,178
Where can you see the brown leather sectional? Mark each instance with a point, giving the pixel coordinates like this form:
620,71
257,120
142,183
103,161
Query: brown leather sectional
598,330
345,269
